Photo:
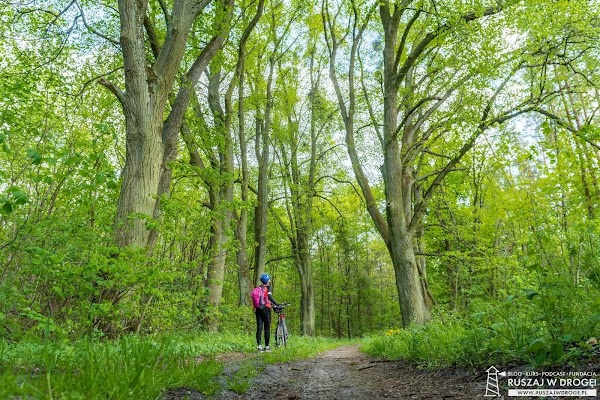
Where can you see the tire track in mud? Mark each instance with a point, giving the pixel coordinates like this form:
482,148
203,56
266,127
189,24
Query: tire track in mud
342,373
347,373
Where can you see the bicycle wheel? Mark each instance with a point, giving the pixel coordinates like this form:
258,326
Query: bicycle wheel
285,335
280,336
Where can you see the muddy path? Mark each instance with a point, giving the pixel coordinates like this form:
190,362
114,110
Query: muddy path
347,373
344,373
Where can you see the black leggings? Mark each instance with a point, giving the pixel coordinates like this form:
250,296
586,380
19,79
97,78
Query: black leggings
263,319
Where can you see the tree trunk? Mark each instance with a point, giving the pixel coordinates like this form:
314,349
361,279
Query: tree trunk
141,175
216,270
401,241
143,107
412,301
307,302
147,89
398,192
262,146
244,283
241,228
221,192
262,208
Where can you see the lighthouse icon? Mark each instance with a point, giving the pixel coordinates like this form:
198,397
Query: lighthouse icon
492,388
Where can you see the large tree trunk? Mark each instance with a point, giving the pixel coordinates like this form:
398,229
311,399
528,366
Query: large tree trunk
221,192
302,260
141,175
241,230
412,300
216,269
401,244
149,143
245,286
143,123
398,189
262,208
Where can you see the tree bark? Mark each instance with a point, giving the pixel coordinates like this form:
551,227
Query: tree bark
149,140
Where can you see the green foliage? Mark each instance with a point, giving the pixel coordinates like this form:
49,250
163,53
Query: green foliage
532,327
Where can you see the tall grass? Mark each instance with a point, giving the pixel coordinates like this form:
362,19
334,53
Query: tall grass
132,367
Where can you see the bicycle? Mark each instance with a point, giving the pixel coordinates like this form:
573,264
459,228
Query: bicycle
281,333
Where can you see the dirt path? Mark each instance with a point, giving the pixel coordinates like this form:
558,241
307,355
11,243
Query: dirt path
347,373
336,374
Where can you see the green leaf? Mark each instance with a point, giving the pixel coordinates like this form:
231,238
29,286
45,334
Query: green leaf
536,345
530,293
566,338
100,178
36,158
557,350
7,207
20,198
72,160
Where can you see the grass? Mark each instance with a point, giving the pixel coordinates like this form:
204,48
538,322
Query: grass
132,367
136,366
241,381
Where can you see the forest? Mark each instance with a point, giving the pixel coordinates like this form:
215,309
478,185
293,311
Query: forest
419,174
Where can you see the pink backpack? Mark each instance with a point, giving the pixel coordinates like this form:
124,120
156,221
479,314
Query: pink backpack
259,297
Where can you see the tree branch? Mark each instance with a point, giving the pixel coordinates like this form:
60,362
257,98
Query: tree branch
114,89
565,125
152,38
92,30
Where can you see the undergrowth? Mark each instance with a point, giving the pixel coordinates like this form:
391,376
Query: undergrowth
535,328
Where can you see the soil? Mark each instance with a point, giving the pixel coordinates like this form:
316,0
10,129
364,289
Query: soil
347,373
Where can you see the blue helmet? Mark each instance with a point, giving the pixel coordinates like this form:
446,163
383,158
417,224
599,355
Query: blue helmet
264,278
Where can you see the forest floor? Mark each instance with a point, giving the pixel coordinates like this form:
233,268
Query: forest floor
347,373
